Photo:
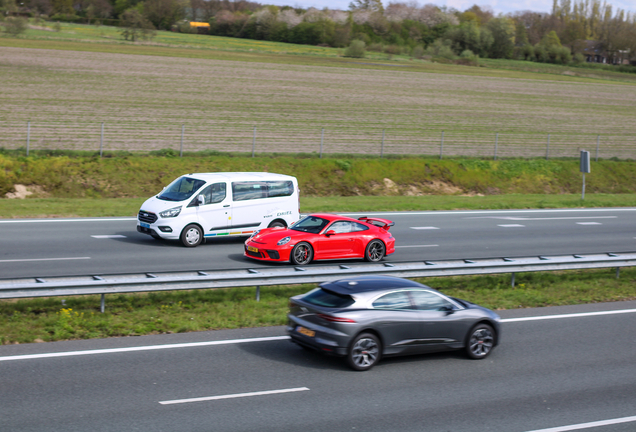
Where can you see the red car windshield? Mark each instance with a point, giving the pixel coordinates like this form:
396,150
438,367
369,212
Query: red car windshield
310,224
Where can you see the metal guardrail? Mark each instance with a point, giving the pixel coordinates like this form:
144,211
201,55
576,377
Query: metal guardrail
286,275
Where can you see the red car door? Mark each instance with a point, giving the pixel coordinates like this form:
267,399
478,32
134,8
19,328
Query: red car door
336,241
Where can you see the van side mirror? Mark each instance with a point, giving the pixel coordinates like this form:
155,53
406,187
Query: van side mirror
200,200
330,233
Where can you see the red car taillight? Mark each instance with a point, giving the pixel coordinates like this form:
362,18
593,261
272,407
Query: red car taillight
335,319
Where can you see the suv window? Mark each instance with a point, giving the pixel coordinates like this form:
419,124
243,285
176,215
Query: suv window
394,300
426,300
325,298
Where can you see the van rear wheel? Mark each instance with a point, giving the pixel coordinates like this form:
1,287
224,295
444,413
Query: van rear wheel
192,235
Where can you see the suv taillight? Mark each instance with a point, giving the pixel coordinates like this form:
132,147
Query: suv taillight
335,319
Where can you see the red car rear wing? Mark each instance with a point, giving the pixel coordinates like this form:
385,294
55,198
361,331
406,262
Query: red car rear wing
382,223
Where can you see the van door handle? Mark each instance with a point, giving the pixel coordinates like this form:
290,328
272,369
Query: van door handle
226,205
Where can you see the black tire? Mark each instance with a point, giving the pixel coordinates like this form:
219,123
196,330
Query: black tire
301,254
375,251
277,224
365,351
192,235
480,341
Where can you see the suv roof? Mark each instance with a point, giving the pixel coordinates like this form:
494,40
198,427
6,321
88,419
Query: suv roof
362,284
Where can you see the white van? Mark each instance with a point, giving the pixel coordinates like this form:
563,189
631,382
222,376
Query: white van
206,205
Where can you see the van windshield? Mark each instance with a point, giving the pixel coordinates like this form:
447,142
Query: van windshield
181,189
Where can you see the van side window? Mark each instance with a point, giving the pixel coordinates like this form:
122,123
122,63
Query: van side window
215,193
243,191
279,188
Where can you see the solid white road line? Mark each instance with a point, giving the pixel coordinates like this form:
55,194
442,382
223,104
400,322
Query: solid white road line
424,228
551,218
512,226
66,220
234,396
44,259
576,315
416,246
108,236
460,212
265,339
588,425
142,348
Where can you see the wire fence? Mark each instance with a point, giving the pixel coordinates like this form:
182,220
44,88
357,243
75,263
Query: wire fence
138,137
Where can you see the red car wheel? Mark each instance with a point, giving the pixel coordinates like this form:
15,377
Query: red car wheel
302,254
375,251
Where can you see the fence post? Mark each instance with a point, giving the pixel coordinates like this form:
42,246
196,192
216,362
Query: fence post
441,146
496,142
182,131
322,140
28,136
101,142
382,147
254,142
547,149
598,139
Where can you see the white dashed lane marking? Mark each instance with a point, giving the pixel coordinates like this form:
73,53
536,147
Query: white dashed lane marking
424,228
512,226
108,236
589,223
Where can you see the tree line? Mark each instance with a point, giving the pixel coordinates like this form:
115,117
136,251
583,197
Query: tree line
573,30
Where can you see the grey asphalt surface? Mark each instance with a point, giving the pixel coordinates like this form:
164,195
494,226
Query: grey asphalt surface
546,373
40,248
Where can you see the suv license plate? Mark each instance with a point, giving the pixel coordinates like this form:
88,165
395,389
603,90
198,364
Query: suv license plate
306,332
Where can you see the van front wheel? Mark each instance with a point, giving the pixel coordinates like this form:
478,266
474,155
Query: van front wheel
192,235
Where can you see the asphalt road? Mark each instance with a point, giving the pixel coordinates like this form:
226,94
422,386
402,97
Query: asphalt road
547,373
57,247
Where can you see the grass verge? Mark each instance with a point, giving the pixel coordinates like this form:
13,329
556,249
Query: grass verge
54,319
129,207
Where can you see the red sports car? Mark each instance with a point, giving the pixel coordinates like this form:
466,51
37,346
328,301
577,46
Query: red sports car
323,236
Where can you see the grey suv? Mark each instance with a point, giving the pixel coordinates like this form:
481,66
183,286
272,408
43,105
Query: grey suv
366,318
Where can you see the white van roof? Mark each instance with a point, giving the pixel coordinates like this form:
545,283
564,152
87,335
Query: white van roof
239,176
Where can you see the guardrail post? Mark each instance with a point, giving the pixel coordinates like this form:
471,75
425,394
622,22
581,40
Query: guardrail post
254,142
322,140
258,293
28,136
496,142
182,131
598,139
618,271
102,303
382,147
101,142
512,282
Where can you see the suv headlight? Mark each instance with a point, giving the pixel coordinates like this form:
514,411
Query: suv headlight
173,212
283,241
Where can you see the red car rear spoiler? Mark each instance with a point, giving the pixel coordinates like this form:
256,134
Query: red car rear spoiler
382,223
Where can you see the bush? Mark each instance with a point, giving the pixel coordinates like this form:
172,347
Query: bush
356,49
418,52
440,49
393,49
579,58
15,26
377,47
468,58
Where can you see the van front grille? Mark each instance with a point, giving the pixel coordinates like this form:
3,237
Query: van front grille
147,217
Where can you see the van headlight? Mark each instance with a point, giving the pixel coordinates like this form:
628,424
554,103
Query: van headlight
283,241
170,213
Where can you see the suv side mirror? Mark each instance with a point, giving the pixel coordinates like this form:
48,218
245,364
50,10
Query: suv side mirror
448,309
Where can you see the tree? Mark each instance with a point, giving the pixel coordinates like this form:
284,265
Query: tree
368,5
164,13
136,26
503,33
